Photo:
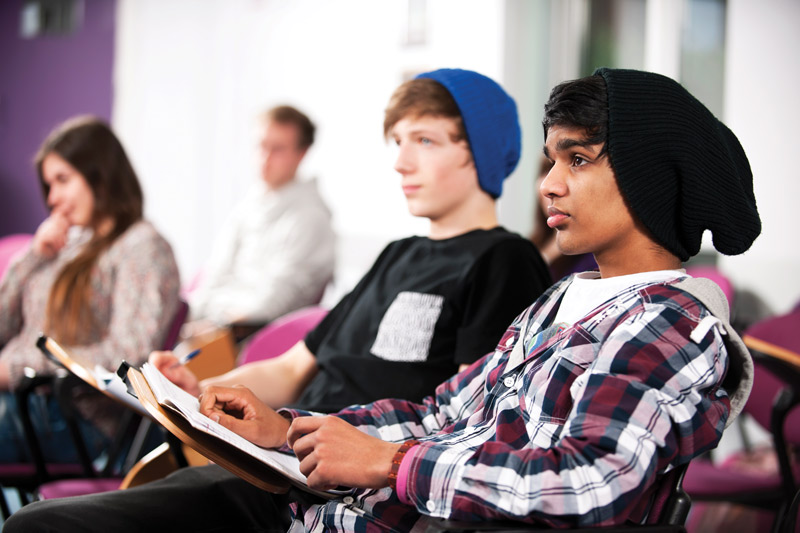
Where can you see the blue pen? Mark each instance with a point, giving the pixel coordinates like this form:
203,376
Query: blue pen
186,358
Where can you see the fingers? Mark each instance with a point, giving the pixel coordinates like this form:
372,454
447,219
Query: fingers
303,425
170,366
240,427
162,360
333,452
316,476
58,226
225,399
51,235
238,409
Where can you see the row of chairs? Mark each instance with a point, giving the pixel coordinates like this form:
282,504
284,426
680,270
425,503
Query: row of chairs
26,477
60,480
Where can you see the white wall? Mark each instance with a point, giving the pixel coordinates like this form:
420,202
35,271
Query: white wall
762,107
191,76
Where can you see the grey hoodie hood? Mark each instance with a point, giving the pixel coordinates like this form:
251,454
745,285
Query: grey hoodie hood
739,379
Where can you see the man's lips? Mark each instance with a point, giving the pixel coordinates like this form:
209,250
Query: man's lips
555,217
410,189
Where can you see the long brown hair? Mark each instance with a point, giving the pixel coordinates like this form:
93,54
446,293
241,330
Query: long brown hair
89,145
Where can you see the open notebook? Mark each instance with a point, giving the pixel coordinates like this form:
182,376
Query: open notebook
176,399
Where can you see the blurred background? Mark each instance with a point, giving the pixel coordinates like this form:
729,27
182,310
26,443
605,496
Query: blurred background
182,82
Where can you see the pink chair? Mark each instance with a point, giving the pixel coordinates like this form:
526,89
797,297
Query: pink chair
774,404
171,338
281,334
10,246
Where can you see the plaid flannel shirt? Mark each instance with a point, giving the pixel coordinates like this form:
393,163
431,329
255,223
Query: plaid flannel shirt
557,427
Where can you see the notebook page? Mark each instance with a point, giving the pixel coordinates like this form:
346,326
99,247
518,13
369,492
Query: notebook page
170,395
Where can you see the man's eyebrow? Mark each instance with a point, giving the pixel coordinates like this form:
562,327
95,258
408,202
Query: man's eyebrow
566,144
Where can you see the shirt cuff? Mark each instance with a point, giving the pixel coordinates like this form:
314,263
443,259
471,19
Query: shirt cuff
402,475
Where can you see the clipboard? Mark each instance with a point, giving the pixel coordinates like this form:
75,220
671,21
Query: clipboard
108,383
226,455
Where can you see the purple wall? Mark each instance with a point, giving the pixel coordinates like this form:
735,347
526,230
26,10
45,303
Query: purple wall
44,81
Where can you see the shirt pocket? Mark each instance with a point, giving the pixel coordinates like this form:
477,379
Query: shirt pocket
406,329
561,365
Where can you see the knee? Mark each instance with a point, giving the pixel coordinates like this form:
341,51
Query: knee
34,517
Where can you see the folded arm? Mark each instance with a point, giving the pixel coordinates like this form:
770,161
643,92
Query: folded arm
638,408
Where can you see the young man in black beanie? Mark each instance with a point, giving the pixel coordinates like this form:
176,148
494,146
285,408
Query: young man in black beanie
605,383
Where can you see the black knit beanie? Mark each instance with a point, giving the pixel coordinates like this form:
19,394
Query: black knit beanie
681,170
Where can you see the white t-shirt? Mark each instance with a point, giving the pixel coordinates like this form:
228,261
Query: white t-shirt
588,290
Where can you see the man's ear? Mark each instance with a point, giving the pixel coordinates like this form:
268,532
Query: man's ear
469,161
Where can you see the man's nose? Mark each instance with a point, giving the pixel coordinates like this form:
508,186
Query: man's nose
404,162
553,183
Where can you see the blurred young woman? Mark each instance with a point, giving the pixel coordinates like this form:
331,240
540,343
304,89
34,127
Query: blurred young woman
96,277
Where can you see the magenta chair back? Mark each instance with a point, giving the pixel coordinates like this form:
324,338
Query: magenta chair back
174,331
281,334
781,331
774,403
10,246
779,338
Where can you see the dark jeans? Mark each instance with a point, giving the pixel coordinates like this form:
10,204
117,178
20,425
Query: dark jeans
204,499
51,430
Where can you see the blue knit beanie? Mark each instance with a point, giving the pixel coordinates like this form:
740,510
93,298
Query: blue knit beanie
490,119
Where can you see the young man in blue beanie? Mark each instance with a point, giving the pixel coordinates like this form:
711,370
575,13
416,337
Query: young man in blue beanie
428,306
606,382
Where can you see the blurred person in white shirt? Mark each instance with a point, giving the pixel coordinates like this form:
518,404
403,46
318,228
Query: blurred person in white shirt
275,253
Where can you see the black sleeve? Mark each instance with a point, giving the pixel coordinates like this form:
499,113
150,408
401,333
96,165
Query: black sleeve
315,337
505,280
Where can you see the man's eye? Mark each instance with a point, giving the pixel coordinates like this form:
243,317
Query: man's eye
578,161
425,141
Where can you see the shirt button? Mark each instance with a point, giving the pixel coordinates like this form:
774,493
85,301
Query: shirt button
430,506
348,500
508,382
510,341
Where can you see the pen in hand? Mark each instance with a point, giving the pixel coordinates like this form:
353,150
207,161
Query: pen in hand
186,358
